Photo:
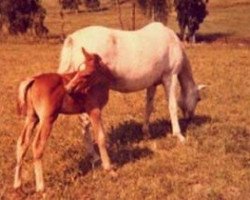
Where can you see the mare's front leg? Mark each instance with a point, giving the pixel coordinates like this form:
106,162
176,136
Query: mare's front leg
38,145
23,143
148,109
95,118
170,84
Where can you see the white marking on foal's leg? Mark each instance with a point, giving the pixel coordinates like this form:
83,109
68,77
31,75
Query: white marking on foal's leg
38,146
148,109
21,149
170,84
39,175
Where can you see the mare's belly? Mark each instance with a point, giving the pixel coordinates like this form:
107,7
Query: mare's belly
132,84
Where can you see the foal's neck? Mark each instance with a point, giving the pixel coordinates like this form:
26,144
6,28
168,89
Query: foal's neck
67,77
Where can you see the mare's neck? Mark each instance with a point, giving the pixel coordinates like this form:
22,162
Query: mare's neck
186,78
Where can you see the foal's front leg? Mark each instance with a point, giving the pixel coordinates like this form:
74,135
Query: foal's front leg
95,118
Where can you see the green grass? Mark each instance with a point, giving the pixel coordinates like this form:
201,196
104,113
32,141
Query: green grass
213,164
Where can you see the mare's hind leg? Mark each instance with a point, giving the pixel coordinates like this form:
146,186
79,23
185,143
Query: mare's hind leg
170,84
149,109
38,145
23,143
89,140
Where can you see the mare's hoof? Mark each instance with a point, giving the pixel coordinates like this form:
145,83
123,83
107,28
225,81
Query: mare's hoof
181,138
146,133
113,173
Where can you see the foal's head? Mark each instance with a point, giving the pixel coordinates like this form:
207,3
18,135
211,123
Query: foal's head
95,72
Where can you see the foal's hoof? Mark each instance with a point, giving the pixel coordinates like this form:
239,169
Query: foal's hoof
19,194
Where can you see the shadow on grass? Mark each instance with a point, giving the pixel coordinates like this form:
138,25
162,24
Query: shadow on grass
212,37
125,138
120,155
197,120
131,131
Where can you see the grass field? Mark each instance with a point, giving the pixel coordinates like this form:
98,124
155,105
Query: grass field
213,164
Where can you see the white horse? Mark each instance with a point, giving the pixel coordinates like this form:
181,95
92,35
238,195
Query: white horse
139,59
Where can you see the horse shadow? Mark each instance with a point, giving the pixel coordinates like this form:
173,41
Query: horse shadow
131,131
124,139
211,37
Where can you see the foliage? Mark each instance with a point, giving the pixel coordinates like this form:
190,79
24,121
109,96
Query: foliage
23,14
156,9
74,4
190,13
69,4
92,4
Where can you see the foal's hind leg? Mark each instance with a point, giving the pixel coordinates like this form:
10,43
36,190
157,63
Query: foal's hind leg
38,145
22,146
149,109
170,84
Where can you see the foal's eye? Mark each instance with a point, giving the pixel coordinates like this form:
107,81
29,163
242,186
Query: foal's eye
198,99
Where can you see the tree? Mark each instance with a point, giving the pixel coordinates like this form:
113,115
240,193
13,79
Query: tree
92,4
20,15
190,13
69,4
74,4
157,10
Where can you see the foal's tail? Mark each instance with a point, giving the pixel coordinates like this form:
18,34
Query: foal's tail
66,56
22,95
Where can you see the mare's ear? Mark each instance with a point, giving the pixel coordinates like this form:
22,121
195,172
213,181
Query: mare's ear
86,54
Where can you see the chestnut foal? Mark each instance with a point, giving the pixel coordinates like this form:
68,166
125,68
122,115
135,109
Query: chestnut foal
43,97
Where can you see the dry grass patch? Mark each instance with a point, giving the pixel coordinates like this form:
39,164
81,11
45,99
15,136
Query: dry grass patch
213,164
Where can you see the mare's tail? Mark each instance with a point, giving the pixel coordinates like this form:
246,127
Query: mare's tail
22,95
66,56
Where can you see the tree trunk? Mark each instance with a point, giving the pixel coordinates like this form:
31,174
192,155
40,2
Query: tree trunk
133,16
119,13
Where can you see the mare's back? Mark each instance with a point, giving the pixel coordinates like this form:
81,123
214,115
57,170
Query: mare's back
123,49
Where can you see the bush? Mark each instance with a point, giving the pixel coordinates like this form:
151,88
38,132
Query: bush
20,15
156,9
69,4
74,4
190,13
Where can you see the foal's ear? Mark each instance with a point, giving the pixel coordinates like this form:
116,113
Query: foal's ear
86,54
201,86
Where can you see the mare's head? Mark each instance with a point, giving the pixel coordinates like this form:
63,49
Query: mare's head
189,101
